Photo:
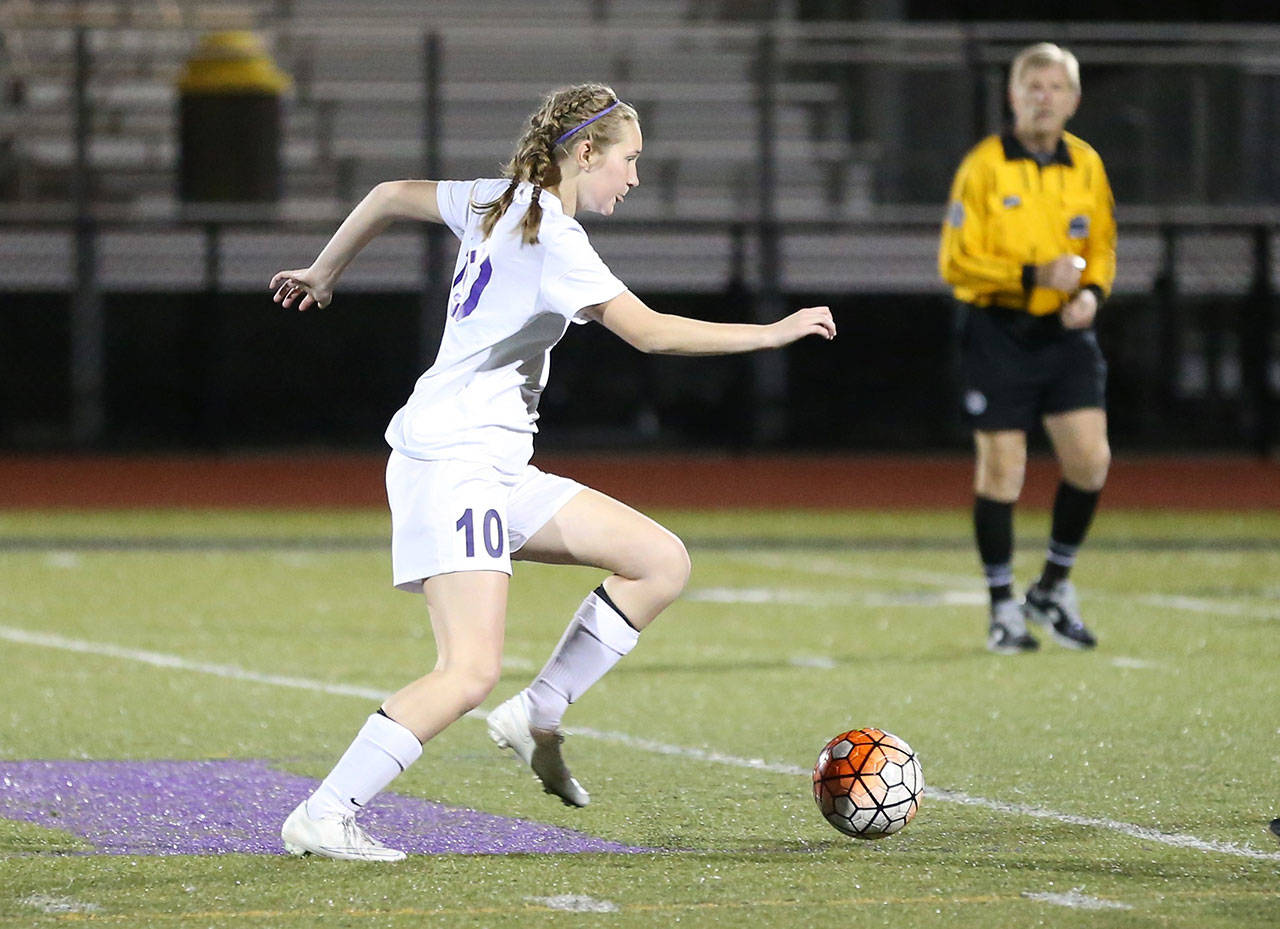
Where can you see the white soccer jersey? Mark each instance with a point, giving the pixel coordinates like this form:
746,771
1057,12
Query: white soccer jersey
509,304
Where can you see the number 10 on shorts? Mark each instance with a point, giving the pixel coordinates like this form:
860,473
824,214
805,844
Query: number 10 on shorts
490,531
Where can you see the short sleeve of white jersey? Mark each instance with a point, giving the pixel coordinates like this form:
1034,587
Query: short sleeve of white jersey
453,198
574,276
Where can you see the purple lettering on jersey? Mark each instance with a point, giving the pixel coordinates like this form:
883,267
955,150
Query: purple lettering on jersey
477,288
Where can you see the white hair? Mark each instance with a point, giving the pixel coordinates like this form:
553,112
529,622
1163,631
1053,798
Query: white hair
1044,55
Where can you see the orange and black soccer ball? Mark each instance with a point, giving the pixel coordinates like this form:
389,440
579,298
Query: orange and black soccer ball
868,783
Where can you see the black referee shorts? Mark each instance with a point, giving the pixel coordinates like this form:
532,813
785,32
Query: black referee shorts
1017,368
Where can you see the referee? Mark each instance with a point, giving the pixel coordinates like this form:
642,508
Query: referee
1028,247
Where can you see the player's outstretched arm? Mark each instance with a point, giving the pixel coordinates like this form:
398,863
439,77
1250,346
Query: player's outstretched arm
627,317
388,201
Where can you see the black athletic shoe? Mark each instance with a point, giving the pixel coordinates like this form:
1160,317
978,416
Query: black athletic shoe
1275,827
1058,610
1007,634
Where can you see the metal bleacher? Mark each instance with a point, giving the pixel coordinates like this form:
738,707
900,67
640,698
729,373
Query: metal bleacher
694,89
355,114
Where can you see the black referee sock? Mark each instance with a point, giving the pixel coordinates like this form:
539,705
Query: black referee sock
1073,511
993,530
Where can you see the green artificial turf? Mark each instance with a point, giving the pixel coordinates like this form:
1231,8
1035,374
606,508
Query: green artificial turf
1129,786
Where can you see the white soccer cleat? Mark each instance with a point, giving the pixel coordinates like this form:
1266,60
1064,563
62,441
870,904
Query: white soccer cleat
538,748
332,837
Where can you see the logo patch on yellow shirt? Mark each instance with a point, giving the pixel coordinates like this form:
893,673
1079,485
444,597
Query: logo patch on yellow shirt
1078,228
1011,201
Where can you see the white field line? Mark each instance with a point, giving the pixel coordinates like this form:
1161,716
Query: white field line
829,566
1137,664
1077,900
949,796
826,566
764,596
575,903
768,596
1206,605
178,663
48,903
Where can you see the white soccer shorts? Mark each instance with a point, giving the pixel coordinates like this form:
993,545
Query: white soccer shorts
451,516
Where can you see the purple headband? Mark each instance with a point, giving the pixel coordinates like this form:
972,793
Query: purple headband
615,103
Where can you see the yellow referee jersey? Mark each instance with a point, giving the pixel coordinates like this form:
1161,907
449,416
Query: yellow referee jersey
1008,213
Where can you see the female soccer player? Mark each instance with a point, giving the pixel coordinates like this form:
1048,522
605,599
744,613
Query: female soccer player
465,501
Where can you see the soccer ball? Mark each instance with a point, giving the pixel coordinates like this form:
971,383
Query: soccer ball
868,783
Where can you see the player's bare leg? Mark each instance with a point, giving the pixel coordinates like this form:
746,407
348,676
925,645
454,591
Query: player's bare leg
649,565
467,612
468,617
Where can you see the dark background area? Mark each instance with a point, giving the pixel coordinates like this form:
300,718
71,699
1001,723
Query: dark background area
235,371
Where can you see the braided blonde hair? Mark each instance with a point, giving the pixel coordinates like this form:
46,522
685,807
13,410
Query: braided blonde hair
537,155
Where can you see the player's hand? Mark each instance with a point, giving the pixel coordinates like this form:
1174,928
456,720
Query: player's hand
302,287
1080,310
812,320
1063,273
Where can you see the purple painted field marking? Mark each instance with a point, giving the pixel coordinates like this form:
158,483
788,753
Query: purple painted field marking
220,807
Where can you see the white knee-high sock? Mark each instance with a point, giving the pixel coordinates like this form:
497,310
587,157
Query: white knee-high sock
381,750
596,639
